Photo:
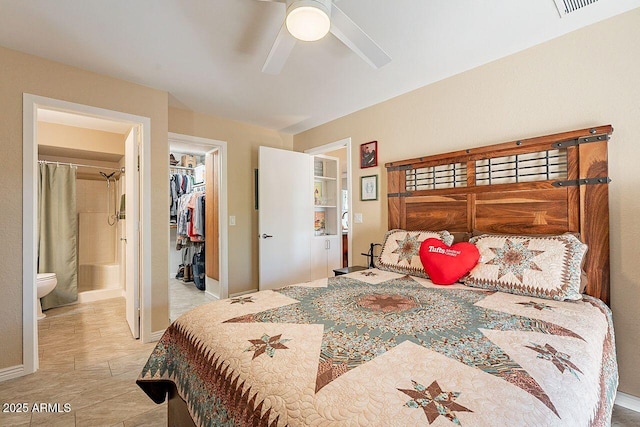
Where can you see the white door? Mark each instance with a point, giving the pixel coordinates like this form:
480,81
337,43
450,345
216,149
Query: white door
285,205
132,230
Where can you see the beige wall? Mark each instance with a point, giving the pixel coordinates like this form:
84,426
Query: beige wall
586,78
243,141
341,154
62,136
21,73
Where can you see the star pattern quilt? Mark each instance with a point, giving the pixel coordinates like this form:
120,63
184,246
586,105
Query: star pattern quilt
381,348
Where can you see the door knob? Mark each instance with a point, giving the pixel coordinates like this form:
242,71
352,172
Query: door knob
266,236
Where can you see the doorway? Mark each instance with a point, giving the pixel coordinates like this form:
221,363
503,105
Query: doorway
139,131
342,150
197,223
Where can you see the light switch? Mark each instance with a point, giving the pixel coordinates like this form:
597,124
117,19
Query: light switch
232,220
357,218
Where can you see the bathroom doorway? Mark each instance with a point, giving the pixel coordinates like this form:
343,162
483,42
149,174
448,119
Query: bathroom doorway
49,127
94,153
342,150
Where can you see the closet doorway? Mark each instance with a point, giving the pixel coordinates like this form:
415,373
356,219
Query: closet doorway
197,222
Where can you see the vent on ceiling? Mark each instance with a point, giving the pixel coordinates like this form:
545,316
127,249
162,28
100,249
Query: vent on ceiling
566,7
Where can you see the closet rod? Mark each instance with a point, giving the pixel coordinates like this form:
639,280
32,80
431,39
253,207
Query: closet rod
181,167
49,162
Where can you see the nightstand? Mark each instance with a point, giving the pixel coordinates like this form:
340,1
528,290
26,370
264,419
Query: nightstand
346,270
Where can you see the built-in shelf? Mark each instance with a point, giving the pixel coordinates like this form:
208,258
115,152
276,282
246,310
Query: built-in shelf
326,247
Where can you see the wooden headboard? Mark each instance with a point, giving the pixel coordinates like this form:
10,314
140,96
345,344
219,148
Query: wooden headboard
545,185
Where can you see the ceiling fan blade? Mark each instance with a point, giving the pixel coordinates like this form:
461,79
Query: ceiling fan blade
357,40
280,51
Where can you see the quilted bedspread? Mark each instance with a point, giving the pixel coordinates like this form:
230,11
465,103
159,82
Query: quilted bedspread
375,348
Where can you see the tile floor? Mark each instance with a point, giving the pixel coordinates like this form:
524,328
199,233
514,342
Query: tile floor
623,417
184,296
89,360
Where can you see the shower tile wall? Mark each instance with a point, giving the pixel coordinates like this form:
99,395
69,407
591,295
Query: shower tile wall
96,239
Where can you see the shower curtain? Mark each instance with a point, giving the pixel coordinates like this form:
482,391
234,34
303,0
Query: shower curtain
57,231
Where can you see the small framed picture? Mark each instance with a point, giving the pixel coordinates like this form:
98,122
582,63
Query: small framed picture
369,187
317,193
319,222
369,154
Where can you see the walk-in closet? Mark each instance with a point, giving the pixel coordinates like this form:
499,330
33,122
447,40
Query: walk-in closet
192,234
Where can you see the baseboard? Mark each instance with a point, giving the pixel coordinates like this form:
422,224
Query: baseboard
11,372
155,336
100,294
212,295
628,401
237,294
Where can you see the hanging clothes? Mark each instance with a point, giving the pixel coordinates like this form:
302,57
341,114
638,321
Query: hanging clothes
173,198
199,217
195,217
182,221
179,185
190,233
186,211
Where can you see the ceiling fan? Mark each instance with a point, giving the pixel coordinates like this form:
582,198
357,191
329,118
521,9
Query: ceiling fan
310,20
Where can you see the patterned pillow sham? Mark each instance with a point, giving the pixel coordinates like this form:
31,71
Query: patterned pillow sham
544,267
401,251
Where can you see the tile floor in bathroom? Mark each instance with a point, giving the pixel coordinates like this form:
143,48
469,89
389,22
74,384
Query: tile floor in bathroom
89,360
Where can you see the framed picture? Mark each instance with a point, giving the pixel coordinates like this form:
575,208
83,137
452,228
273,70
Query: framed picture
317,193
318,222
369,187
369,154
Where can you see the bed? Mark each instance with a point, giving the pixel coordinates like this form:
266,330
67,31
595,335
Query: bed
386,346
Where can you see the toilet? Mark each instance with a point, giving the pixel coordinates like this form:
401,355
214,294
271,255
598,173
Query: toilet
46,283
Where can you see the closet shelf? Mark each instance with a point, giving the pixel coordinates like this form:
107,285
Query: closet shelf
181,168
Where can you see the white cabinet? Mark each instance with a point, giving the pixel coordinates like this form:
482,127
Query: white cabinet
326,255
326,248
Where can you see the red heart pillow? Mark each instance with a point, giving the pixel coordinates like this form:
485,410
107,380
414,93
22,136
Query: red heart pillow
446,264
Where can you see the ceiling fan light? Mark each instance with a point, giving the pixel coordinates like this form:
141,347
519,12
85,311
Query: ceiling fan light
308,20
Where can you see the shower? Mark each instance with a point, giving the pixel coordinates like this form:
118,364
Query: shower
111,219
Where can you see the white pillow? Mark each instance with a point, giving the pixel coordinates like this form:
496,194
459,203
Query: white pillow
401,251
544,267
